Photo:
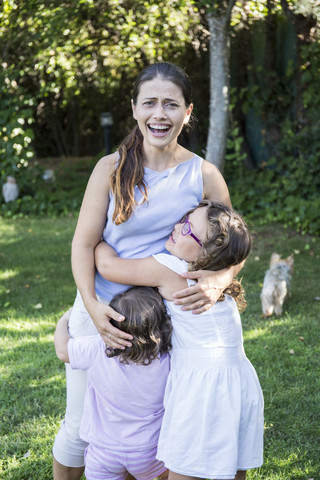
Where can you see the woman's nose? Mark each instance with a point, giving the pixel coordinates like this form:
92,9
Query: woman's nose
159,111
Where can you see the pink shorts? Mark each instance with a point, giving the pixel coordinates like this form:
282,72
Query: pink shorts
102,464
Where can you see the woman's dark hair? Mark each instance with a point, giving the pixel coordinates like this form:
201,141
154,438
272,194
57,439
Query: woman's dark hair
130,167
169,72
147,320
228,243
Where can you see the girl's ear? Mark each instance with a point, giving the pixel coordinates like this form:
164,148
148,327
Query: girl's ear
133,109
188,114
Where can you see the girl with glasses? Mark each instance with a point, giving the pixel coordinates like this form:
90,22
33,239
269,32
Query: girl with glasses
213,421
133,200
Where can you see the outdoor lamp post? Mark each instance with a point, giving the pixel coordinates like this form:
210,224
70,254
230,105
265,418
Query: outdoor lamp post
106,123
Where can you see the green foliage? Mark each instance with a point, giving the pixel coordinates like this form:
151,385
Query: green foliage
268,194
62,196
285,187
78,59
16,120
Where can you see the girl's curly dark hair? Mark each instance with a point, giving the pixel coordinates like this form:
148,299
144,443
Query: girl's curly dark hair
147,320
228,243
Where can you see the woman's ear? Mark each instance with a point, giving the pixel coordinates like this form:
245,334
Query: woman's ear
133,109
188,114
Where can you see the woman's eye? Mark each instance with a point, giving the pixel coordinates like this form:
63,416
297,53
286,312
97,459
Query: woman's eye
172,105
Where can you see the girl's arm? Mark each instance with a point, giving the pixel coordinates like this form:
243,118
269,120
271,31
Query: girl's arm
87,235
146,272
62,337
205,293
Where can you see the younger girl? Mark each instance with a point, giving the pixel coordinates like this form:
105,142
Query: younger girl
123,406
213,421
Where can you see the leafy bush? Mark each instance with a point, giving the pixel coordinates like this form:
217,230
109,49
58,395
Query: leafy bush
62,196
16,133
286,187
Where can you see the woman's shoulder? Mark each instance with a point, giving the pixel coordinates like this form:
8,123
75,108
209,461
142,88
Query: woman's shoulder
210,169
104,169
108,162
185,155
215,187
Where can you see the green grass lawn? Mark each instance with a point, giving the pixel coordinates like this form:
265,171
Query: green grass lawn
36,286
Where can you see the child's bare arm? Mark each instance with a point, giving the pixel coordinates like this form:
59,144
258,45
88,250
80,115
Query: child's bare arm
143,271
62,337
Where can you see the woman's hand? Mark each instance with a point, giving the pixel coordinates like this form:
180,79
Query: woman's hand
112,336
208,289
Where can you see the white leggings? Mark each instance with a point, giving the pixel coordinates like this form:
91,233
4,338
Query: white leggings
68,448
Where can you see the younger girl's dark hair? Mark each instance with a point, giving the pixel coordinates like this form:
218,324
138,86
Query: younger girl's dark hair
130,167
147,320
228,243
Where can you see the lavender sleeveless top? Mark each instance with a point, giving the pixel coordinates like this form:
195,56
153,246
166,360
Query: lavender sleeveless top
171,194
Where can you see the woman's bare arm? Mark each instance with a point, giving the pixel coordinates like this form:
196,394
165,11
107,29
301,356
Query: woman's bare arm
91,221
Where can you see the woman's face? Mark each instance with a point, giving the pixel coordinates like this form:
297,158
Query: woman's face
160,112
186,246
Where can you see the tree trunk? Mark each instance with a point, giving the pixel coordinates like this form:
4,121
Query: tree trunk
219,86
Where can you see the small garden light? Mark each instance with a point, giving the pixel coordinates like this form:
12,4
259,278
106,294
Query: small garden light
106,123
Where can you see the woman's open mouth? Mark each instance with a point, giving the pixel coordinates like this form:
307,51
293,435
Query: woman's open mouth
159,130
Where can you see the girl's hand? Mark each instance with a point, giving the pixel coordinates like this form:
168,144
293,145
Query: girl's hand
201,296
112,336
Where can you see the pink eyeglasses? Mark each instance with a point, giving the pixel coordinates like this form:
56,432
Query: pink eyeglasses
186,229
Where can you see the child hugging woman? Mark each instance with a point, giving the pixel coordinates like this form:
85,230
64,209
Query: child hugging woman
213,420
123,406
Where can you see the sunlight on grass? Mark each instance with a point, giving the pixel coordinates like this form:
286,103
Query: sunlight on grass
254,333
29,448
6,274
23,326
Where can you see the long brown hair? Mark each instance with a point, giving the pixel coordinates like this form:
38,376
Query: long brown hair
129,171
228,243
146,318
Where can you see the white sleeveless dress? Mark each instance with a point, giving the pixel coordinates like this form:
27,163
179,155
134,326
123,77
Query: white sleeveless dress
213,421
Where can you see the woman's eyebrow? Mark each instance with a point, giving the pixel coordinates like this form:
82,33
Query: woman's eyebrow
165,99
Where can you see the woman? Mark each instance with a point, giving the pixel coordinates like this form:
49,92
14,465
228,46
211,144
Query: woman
142,190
